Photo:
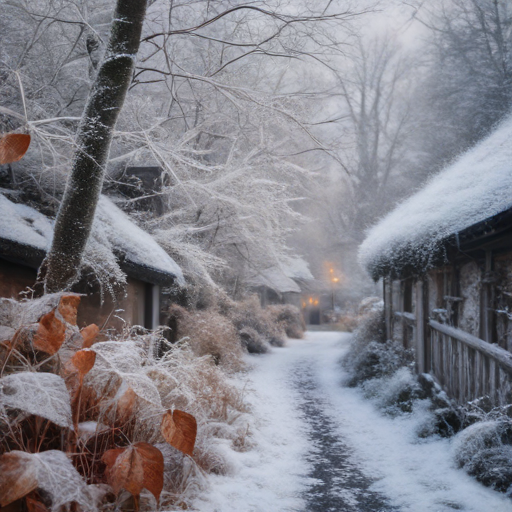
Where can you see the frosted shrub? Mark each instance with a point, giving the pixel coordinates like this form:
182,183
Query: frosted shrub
290,318
253,341
209,333
376,360
383,368
371,356
249,313
100,400
484,450
395,393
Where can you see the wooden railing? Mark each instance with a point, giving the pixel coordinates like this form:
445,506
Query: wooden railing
408,327
468,367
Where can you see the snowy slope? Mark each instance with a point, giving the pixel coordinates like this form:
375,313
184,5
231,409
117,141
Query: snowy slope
474,188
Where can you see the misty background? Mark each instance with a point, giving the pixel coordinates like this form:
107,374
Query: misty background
282,129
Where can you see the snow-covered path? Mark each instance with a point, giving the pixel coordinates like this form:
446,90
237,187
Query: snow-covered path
322,447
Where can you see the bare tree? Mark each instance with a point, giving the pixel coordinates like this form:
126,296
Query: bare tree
76,213
467,86
210,103
375,132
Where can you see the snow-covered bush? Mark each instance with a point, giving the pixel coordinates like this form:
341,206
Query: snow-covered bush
209,333
371,356
484,450
290,318
253,341
381,367
81,403
384,371
396,392
249,313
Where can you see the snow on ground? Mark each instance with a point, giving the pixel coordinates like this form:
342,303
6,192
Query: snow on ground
272,476
281,474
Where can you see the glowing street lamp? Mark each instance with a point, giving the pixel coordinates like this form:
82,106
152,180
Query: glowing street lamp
334,280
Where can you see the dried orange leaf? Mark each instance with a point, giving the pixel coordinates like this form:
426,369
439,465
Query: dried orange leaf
179,430
134,468
153,464
13,146
51,471
50,334
83,361
18,476
68,307
110,456
89,334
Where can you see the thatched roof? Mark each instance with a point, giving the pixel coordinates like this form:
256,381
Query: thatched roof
26,234
467,194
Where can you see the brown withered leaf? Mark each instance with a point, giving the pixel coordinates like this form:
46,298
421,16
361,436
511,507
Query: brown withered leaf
179,430
50,470
89,334
34,504
138,466
50,334
13,146
68,308
18,476
153,464
83,361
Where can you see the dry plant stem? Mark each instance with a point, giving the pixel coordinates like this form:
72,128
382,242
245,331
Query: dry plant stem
76,214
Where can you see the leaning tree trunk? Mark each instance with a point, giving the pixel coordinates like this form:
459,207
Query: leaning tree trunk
76,213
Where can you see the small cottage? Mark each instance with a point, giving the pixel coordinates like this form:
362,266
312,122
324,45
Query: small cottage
445,259
118,253
282,283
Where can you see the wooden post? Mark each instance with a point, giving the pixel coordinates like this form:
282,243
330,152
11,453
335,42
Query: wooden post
420,328
486,329
388,307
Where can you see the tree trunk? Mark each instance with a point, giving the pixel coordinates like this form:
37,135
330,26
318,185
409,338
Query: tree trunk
76,213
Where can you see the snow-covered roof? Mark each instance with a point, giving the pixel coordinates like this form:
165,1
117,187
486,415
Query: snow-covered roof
134,244
297,268
26,235
23,224
275,279
476,187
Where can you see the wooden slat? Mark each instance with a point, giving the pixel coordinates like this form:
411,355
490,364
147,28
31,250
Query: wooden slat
460,366
500,355
478,374
449,365
455,367
419,332
492,379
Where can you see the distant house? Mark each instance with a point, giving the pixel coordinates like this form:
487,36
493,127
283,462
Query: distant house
445,257
116,245
281,283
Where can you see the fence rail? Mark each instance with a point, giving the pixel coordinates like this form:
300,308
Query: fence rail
468,367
